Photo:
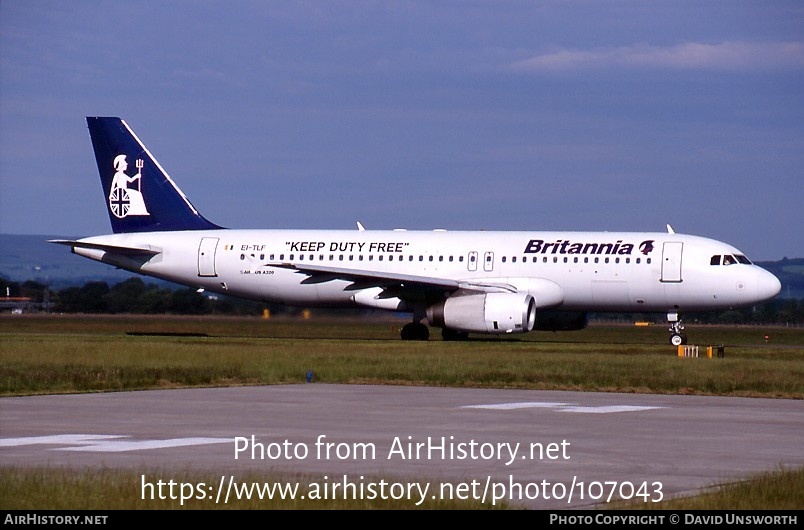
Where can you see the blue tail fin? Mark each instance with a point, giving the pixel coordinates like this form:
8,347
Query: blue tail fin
140,196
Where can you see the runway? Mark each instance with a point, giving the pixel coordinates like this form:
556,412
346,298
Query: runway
537,449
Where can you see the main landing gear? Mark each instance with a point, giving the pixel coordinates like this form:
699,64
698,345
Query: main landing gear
677,335
415,331
419,331
450,334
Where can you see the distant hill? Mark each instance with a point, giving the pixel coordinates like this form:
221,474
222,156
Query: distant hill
27,257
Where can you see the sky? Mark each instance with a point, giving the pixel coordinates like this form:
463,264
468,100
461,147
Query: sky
459,115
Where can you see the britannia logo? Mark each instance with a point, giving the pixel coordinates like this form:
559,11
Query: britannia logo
646,247
125,200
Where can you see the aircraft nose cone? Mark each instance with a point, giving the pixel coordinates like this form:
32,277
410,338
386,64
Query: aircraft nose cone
768,285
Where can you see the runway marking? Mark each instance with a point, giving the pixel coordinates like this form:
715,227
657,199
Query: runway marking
106,443
57,439
562,407
609,409
513,406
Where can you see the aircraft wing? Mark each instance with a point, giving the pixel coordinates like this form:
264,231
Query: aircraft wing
398,283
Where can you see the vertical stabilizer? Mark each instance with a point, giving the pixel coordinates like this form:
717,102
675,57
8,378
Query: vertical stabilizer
139,194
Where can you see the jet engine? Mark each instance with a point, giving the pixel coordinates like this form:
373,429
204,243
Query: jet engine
485,313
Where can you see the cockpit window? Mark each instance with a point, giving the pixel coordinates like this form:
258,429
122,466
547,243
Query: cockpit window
729,260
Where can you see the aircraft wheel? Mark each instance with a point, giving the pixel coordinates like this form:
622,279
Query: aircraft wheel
677,339
415,331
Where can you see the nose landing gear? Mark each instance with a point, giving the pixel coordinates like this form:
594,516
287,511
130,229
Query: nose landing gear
677,335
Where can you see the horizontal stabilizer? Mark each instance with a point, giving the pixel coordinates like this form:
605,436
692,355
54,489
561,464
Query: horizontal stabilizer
115,249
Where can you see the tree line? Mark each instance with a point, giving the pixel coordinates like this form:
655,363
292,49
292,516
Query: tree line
135,296
129,296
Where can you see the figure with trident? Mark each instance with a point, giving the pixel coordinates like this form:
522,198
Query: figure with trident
125,201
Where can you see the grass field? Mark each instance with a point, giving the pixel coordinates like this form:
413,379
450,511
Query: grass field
68,354
88,354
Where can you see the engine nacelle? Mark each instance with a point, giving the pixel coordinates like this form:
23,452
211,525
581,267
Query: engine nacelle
560,320
374,297
485,313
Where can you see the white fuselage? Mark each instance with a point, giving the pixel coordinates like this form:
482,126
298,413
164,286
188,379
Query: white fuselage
576,271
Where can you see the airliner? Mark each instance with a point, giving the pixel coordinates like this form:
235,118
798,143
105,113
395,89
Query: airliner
484,282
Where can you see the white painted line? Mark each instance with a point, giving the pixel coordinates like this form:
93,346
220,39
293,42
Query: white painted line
121,446
607,410
512,406
58,439
106,443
